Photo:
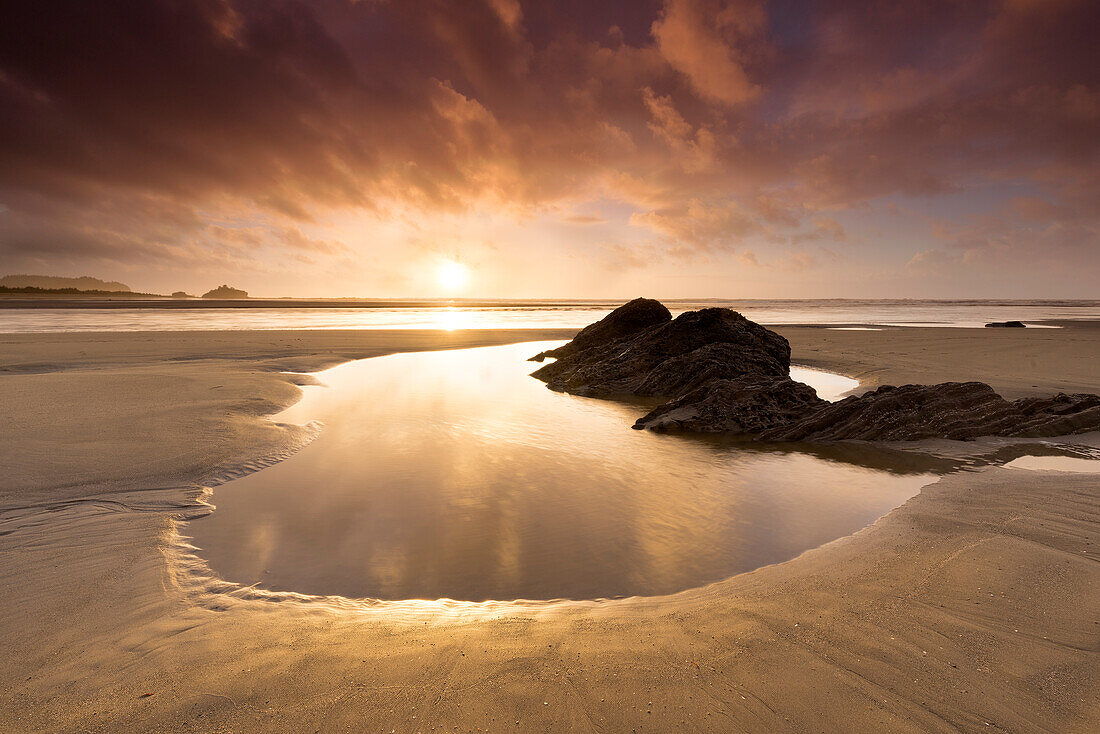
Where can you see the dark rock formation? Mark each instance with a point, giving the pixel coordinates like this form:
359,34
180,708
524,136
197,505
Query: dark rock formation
910,412
1005,325
743,405
725,373
952,410
626,320
224,291
1061,415
182,294
670,358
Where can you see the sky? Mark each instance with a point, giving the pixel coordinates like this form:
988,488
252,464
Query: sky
555,149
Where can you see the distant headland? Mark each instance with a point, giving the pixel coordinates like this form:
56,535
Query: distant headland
58,283
28,289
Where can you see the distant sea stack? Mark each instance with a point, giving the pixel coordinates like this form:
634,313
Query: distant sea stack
53,282
224,291
183,294
727,374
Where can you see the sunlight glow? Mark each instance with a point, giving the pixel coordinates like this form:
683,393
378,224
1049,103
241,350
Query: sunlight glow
451,275
451,318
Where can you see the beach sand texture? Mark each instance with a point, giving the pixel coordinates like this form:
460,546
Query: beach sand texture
975,606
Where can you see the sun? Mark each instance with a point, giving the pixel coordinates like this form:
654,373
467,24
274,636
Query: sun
452,275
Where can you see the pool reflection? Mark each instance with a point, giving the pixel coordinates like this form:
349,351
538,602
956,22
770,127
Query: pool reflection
455,475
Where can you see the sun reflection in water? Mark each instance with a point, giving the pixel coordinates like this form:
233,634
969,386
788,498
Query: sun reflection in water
452,318
456,475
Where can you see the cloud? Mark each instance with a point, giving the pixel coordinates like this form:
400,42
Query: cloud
695,148
824,230
1028,236
583,219
165,131
934,262
700,226
701,40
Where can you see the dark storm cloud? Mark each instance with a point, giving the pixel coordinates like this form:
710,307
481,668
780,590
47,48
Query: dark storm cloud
716,119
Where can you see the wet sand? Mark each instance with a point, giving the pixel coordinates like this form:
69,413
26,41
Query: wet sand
972,607
1015,362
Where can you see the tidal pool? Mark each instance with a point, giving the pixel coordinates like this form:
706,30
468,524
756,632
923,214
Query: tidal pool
1056,463
456,475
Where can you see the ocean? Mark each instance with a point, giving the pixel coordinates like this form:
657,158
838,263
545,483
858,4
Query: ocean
267,315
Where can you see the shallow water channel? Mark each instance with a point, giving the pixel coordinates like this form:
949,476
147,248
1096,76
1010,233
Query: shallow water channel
456,475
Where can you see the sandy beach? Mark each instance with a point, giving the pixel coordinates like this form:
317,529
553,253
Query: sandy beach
972,607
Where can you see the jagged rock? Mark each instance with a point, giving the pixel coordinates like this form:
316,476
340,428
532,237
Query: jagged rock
1061,415
667,359
744,405
952,410
728,374
628,319
722,361
1005,325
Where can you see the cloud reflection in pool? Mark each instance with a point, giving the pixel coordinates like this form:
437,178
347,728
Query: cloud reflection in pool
456,475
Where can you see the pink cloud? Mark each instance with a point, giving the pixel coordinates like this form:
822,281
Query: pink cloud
701,40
